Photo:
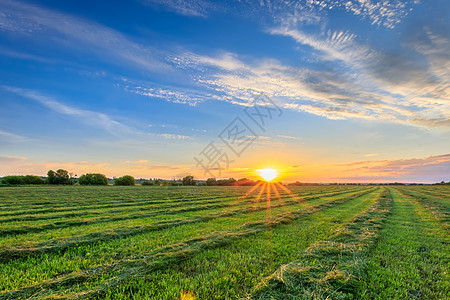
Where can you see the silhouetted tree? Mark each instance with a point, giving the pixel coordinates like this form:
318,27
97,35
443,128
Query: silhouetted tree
61,176
125,180
188,180
12,180
31,179
93,179
226,182
147,183
211,182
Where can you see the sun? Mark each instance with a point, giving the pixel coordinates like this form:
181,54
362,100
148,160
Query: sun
268,174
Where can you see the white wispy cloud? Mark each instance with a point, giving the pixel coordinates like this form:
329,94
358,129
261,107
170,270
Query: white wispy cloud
191,8
172,94
289,137
412,87
386,13
335,45
173,136
334,95
96,119
416,82
12,137
57,28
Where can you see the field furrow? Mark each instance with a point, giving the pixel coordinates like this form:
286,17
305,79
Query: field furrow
137,206
332,268
111,221
263,242
436,207
62,244
411,259
188,247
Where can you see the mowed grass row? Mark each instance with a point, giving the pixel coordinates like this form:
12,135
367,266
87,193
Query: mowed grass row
114,221
72,197
113,231
136,266
110,220
436,197
148,198
439,207
83,211
76,260
231,272
139,206
109,252
145,196
412,257
434,190
333,268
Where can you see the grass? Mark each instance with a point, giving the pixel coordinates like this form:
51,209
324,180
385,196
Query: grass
194,240
411,260
226,268
214,243
332,268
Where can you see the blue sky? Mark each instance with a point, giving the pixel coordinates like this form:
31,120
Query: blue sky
142,87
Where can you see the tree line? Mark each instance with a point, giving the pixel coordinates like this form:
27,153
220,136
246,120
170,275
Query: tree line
64,177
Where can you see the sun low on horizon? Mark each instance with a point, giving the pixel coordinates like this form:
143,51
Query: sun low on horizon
268,174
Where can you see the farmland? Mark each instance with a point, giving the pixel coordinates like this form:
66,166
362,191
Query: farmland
311,242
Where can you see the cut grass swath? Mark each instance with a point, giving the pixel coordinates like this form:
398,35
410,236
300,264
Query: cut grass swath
330,269
169,255
62,244
193,206
440,211
411,259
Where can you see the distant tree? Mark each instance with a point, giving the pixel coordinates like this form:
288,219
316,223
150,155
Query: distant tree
93,179
188,180
211,182
61,176
147,183
31,179
245,182
12,180
157,182
27,179
125,180
51,177
298,183
226,182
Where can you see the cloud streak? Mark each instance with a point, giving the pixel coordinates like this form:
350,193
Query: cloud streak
435,168
360,82
8,136
190,8
11,159
49,26
92,118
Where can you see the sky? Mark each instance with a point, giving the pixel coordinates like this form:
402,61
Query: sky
323,91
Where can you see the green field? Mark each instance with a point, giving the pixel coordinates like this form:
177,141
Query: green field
317,242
